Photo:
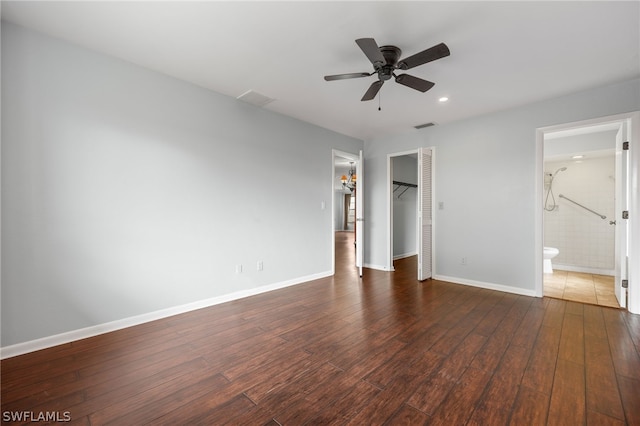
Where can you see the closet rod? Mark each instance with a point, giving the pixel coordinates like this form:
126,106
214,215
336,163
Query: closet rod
401,184
410,185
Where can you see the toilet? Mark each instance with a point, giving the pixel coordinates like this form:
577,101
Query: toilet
548,254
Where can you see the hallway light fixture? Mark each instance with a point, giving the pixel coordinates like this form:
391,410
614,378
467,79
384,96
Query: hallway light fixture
349,182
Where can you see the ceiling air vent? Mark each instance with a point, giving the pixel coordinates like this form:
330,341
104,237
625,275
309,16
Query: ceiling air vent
422,126
255,98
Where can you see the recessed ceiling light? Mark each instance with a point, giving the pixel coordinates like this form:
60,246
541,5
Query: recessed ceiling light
577,157
443,99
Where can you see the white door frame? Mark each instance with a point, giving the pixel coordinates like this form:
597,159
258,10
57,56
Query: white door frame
634,200
389,266
351,157
621,196
360,213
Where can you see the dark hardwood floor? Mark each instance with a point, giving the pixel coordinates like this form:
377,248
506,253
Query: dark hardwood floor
384,349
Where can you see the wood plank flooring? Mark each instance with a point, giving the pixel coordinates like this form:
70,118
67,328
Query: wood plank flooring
384,350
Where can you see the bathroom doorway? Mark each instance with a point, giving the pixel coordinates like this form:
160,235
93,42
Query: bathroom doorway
583,188
579,215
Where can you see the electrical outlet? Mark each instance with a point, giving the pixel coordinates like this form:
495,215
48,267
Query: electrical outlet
260,265
463,261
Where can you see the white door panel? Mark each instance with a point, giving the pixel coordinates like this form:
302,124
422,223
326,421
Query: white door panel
360,214
425,213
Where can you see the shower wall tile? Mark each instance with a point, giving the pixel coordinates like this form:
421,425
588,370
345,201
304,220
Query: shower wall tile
583,239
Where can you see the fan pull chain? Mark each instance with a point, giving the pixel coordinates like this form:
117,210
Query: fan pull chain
379,96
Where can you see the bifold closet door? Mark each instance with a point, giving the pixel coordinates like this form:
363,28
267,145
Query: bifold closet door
425,213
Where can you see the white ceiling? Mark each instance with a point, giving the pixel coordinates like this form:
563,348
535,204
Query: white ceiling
503,54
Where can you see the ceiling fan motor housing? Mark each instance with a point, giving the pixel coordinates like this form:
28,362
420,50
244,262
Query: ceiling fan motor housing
391,55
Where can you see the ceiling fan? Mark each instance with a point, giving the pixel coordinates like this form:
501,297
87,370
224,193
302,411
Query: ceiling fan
385,60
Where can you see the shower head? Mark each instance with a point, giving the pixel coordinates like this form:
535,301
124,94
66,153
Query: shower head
562,169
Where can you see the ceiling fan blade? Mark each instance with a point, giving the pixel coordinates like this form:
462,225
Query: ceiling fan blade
414,82
346,76
372,91
371,49
431,54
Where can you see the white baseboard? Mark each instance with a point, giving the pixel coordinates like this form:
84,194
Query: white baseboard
584,270
378,267
83,333
402,256
488,286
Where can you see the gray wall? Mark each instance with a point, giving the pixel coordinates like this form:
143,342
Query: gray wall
125,191
485,176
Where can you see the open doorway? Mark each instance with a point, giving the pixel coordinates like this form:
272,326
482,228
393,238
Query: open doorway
410,226
404,206
579,215
345,229
584,175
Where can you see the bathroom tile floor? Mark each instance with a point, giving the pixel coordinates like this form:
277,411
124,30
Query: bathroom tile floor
581,287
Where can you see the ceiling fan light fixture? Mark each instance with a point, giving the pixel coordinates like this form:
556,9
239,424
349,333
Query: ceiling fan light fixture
443,99
349,182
